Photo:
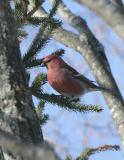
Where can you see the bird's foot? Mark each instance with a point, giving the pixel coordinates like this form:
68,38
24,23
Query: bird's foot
75,100
70,99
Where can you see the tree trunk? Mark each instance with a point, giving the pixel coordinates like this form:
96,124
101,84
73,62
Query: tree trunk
17,114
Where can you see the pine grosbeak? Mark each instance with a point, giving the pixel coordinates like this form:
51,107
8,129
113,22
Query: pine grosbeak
66,80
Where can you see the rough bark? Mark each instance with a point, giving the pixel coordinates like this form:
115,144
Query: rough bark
28,151
17,114
119,3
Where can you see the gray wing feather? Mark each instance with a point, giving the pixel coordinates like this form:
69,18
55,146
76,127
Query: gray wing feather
79,76
89,84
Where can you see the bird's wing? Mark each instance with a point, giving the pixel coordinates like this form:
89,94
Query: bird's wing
78,76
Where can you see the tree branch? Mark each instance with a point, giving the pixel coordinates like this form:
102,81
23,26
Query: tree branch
119,3
90,151
101,72
25,150
111,14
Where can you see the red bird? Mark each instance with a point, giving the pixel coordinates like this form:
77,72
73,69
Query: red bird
66,80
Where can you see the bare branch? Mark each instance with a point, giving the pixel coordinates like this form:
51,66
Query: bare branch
102,74
111,14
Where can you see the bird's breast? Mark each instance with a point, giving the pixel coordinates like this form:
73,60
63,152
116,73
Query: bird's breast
64,84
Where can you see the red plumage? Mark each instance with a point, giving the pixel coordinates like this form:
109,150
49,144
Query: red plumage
66,80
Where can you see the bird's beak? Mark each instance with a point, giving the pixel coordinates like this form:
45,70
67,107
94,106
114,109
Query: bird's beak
43,64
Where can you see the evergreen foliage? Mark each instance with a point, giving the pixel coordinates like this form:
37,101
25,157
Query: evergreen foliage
90,151
85,155
43,118
65,102
59,52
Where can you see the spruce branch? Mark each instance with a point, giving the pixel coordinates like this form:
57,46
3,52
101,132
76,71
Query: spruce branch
38,62
68,158
90,151
64,102
36,21
33,63
41,39
85,155
54,8
20,12
38,3
43,36
38,82
21,34
38,43
59,52
22,16
43,118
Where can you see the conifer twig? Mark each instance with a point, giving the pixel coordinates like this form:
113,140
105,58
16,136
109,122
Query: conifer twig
90,151
66,103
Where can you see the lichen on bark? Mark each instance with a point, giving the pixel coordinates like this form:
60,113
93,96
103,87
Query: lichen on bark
17,113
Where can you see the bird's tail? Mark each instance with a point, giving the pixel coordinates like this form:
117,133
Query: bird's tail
99,88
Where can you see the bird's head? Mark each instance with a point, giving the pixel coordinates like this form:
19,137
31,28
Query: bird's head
51,60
